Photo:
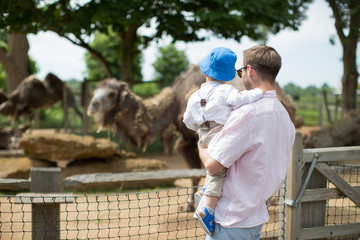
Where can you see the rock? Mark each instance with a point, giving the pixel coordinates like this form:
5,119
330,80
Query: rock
64,148
20,167
77,155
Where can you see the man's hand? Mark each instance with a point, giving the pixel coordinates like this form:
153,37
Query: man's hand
211,165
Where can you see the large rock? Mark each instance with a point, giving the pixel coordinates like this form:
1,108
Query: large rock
77,155
64,148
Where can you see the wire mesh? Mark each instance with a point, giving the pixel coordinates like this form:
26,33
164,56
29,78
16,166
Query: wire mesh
142,215
342,210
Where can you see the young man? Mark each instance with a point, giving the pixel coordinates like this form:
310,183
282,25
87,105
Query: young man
255,145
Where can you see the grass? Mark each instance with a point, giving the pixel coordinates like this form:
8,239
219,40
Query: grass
309,108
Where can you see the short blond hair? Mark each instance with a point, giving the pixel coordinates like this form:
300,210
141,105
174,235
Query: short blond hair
265,60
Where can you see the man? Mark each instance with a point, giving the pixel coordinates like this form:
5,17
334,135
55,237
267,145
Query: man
255,145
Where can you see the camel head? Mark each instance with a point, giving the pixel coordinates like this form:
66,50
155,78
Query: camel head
105,101
115,107
54,86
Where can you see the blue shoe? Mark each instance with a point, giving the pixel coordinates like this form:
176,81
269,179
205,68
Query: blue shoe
198,195
206,219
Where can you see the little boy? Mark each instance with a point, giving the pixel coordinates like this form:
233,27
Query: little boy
207,111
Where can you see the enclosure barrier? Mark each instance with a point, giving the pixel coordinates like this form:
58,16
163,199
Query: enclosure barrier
323,194
143,215
322,202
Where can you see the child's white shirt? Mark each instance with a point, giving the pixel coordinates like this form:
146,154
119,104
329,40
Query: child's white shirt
221,100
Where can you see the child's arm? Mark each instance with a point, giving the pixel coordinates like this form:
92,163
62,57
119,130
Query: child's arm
189,121
188,117
237,99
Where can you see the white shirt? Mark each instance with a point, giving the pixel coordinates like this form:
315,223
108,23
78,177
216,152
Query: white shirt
255,145
221,101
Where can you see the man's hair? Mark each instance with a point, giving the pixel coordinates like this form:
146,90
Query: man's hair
265,60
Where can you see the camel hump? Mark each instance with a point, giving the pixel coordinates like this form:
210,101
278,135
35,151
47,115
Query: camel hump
160,101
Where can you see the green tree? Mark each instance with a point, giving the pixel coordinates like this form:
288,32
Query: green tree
169,64
293,90
182,20
311,91
347,24
110,47
325,87
146,89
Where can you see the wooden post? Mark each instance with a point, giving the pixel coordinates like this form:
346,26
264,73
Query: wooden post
37,119
65,107
336,107
327,107
320,115
84,101
293,215
45,215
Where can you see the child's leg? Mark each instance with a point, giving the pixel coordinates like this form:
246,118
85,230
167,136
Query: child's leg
213,191
211,201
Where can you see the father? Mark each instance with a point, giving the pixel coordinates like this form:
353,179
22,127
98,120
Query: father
255,145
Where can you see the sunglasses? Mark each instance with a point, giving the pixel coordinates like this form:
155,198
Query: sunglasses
239,71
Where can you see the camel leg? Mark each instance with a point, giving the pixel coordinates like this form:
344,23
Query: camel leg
167,138
188,150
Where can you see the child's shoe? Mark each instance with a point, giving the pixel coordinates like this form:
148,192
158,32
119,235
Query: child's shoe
206,219
198,195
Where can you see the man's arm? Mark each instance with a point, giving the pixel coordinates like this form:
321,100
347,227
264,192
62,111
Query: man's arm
211,165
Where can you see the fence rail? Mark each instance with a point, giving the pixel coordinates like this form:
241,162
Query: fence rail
324,182
104,179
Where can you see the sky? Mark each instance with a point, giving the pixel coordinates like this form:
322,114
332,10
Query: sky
308,58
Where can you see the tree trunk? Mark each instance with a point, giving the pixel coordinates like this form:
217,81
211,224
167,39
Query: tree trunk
15,62
129,40
349,44
349,79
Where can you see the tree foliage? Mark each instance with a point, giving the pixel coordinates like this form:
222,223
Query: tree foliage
110,47
180,19
170,64
297,92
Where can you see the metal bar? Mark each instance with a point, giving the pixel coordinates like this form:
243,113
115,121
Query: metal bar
303,187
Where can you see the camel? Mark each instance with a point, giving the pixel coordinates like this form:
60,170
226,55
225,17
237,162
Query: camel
115,107
35,94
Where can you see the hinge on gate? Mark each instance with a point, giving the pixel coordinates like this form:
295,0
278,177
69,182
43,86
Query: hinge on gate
303,187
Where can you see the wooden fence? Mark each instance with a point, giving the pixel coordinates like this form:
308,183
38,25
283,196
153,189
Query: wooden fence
307,192
312,183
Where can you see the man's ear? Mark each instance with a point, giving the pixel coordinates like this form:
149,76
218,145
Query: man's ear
251,71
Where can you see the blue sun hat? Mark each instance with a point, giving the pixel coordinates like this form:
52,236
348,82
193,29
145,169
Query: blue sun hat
219,64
